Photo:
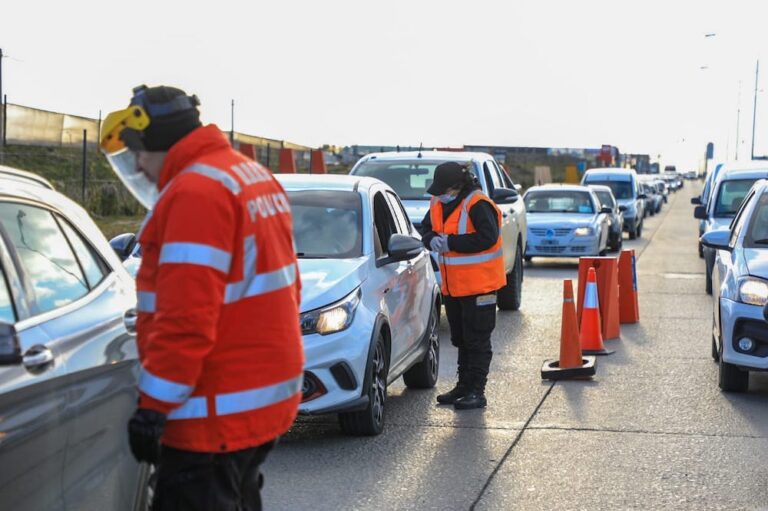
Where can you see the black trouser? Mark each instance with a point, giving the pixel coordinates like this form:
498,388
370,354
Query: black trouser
228,481
472,320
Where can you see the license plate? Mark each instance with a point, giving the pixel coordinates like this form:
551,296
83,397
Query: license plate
550,242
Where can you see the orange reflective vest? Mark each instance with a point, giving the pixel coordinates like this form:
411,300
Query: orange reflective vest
468,274
218,300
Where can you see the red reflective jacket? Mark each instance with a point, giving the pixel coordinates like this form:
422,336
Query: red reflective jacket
218,294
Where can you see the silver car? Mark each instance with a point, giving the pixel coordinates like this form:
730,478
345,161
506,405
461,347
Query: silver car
68,366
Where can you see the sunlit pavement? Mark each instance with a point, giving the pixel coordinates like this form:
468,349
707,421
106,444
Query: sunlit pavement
651,431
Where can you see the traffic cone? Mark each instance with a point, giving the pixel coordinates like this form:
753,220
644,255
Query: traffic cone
317,162
590,335
287,163
571,363
629,311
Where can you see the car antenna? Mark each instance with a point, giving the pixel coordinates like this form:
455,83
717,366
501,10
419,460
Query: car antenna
421,147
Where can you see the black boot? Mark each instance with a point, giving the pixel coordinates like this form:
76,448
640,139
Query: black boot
452,395
470,400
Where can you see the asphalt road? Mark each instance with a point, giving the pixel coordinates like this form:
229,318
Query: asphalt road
650,431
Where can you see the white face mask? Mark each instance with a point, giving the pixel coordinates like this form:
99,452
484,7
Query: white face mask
447,197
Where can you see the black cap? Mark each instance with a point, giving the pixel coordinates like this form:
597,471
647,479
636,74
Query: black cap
447,175
172,116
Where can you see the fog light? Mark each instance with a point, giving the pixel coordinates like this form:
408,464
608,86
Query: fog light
746,344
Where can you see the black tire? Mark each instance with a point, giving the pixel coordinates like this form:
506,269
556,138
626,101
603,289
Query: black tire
731,378
424,374
715,354
619,242
640,230
708,278
510,296
701,251
370,421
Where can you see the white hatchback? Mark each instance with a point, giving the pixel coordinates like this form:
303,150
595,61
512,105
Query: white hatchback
370,300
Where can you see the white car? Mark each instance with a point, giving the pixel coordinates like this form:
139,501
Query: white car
370,300
411,173
740,277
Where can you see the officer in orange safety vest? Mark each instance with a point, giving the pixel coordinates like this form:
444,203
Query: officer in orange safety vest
463,228
218,293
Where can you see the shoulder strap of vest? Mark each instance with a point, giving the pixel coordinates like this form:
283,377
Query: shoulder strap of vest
464,218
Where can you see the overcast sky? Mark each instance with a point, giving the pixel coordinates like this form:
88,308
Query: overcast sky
560,73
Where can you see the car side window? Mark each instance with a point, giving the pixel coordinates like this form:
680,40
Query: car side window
404,225
506,181
93,265
739,221
384,222
44,255
7,312
491,176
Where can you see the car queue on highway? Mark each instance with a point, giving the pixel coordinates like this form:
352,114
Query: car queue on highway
370,303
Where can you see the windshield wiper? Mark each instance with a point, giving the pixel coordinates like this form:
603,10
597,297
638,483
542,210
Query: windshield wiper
302,255
763,241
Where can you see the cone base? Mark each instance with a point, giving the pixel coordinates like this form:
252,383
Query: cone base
551,369
598,352
629,321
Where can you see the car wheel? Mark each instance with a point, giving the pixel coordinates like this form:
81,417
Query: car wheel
370,421
640,230
510,296
732,379
424,374
619,243
701,250
715,354
708,278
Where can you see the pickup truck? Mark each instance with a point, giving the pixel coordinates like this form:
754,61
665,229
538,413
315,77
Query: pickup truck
410,174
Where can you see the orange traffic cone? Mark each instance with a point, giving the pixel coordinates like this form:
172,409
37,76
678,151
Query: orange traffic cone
571,363
317,162
628,308
590,335
287,163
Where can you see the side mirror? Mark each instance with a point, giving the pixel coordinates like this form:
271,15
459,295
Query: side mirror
606,210
717,240
622,208
519,188
505,196
10,350
642,196
696,201
123,245
402,248
700,212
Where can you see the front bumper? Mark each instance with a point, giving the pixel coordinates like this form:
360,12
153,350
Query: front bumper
739,320
337,361
562,246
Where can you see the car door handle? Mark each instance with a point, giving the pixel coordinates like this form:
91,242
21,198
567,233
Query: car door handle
129,320
37,356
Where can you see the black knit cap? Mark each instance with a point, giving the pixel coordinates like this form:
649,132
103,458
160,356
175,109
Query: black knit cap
172,116
447,175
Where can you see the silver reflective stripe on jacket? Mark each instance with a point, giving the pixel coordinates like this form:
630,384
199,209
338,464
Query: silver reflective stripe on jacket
146,301
472,259
219,175
195,408
162,389
196,253
261,283
247,400
463,218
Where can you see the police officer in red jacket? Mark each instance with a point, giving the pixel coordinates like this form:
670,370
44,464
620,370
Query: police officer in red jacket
218,293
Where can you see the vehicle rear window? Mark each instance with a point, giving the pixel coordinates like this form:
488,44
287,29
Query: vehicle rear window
620,189
557,201
731,195
409,179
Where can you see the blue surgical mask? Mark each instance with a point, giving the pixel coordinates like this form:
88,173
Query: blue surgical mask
446,198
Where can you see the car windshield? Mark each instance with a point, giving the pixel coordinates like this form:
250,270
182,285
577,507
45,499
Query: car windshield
620,189
409,179
606,199
556,201
731,195
327,224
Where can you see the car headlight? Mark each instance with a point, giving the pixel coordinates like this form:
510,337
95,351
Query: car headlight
584,231
333,318
753,291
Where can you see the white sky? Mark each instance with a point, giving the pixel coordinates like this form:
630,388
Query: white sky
558,73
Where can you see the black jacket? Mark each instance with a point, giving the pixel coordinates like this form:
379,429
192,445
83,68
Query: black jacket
484,219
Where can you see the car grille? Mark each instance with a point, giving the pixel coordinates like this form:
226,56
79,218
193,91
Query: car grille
578,250
546,249
542,231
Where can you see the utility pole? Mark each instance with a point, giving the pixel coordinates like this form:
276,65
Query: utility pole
754,110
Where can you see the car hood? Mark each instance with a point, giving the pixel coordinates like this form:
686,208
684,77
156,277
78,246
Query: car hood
416,209
324,281
757,262
572,220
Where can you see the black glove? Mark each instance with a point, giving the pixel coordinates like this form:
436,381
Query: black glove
144,431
